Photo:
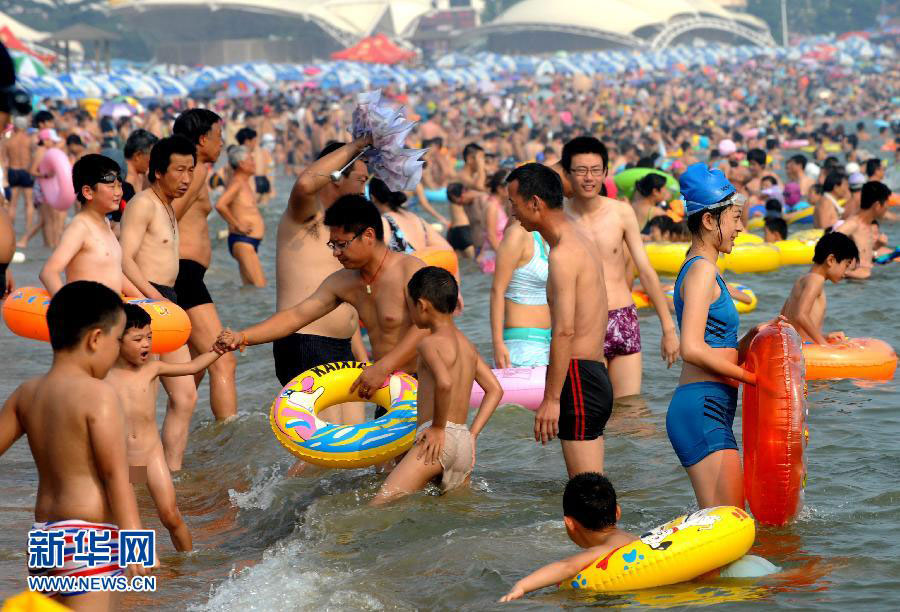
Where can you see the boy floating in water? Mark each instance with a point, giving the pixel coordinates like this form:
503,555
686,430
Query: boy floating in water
590,513
76,432
805,306
134,376
448,365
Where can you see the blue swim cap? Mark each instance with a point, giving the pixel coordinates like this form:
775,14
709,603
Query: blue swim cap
703,188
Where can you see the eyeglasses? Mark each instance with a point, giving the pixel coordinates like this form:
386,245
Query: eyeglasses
583,171
341,245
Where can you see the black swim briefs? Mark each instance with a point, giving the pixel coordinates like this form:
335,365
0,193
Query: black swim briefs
19,177
167,292
585,403
460,237
262,184
3,267
189,284
296,353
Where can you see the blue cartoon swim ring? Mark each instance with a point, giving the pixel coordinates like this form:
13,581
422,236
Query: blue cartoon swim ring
294,421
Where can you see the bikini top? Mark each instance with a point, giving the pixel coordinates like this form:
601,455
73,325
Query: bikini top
398,241
722,321
528,284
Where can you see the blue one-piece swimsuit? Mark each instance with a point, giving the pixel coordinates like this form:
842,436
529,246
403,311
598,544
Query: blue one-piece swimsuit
701,414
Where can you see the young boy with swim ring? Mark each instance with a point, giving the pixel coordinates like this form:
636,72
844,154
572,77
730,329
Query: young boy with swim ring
805,306
134,377
448,365
88,249
76,433
590,513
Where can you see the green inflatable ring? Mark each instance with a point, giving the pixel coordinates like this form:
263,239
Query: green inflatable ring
626,179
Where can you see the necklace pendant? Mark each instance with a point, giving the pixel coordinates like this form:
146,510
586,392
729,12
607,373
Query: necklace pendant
369,289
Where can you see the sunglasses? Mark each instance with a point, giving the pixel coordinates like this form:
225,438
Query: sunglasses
109,178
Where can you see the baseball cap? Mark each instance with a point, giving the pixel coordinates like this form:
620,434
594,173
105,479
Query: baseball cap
49,134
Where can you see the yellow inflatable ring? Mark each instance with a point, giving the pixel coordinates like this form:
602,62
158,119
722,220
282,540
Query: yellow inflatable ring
756,223
746,238
642,300
666,257
746,258
799,215
795,252
678,551
808,234
294,421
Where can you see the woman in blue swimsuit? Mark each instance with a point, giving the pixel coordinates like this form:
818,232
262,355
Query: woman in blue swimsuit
701,413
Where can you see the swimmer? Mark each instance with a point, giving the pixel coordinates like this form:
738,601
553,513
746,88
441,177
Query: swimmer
406,230
775,229
303,260
590,513
134,377
448,365
76,432
373,281
873,205
88,249
460,233
805,306
203,128
16,157
613,227
577,399
246,227
701,412
137,159
827,210
150,261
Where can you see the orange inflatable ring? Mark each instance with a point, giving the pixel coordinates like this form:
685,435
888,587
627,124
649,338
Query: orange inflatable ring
774,426
25,313
867,358
442,258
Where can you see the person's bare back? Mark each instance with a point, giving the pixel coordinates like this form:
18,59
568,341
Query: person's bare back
17,151
803,312
456,355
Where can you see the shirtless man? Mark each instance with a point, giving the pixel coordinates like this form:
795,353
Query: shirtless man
576,294
150,260
612,224
246,227
828,211
263,167
15,156
204,129
873,205
303,260
473,174
88,249
373,280
137,158
795,169
460,233
756,162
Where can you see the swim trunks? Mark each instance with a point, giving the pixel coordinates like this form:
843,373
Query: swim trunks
235,238
458,455
623,333
460,237
189,285
296,353
3,267
262,184
19,177
529,347
70,566
699,420
585,403
167,292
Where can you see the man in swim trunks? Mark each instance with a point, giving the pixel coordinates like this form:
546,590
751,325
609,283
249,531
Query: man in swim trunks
83,478
613,226
16,157
460,233
150,261
204,129
246,227
577,395
303,260
373,280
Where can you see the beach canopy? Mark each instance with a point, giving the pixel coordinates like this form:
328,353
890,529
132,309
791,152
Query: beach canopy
378,49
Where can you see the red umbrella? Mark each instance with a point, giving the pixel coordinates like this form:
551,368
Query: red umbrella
378,49
10,41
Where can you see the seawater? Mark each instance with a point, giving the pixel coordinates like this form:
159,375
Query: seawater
268,541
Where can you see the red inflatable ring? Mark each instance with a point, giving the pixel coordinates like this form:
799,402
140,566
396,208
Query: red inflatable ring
774,425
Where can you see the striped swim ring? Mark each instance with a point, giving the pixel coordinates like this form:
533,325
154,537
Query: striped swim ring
295,423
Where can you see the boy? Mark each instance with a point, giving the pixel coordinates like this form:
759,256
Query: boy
590,513
805,306
239,208
88,249
775,229
448,364
82,475
134,379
